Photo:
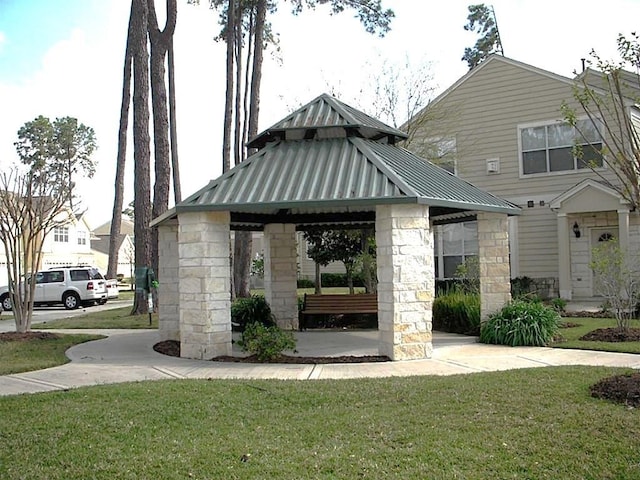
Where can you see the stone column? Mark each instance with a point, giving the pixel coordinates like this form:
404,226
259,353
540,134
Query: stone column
406,281
205,296
168,295
281,273
564,257
493,253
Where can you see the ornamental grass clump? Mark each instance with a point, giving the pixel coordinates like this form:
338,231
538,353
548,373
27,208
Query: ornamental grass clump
521,323
457,311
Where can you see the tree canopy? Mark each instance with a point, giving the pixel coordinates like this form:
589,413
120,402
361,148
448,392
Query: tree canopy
61,149
482,20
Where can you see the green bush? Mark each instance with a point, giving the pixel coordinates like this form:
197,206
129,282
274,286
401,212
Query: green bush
249,310
521,323
266,343
457,311
306,283
559,304
340,280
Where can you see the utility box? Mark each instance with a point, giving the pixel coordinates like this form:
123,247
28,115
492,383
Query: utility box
144,278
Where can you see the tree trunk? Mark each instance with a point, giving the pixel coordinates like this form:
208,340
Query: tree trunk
118,200
177,189
141,150
243,242
228,100
160,41
318,289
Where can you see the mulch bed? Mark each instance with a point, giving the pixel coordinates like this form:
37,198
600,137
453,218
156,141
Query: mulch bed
623,389
26,336
612,334
172,348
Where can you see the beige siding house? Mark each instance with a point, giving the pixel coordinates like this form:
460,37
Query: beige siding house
505,122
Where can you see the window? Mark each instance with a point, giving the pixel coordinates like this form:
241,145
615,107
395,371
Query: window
551,148
454,243
82,238
61,234
441,152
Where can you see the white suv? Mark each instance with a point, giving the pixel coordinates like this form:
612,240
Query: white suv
70,286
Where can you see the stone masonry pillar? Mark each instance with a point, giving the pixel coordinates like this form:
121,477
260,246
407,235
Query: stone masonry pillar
168,295
406,281
281,273
493,252
204,284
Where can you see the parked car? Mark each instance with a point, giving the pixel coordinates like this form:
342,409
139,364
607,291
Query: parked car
112,289
69,286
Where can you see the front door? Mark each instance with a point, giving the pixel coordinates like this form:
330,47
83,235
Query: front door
599,235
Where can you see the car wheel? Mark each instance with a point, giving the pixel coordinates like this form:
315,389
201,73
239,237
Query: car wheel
6,302
71,300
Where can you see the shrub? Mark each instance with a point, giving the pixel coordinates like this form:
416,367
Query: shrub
457,311
249,310
266,343
521,323
340,280
306,283
559,304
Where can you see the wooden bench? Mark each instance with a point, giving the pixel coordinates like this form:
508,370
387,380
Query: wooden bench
336,304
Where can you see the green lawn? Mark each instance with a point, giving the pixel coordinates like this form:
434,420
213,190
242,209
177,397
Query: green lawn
24,356
571,335
116,318
526,424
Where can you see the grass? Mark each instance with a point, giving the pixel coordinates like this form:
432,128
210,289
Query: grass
25,356
115,318
525,424
572,335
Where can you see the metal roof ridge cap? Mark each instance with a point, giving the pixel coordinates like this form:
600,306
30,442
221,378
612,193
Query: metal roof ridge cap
391,174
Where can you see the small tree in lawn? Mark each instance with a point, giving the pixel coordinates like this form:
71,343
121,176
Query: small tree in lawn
345,246
31,206
609,136
616,279
36,196
318,251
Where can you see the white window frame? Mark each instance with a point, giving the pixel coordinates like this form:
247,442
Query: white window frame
547,123
61,234
438,237
82,237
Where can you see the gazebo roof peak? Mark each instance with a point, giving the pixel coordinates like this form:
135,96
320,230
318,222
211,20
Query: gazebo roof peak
327,117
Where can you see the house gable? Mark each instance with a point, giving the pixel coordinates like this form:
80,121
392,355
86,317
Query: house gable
589,196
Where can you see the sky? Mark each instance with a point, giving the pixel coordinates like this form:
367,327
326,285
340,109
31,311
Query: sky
65,58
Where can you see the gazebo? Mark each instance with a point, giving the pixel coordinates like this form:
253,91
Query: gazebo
325,165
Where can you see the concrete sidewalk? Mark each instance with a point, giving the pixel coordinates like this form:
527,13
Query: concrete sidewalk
128,356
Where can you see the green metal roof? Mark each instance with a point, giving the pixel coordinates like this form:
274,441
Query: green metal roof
322,114
334,178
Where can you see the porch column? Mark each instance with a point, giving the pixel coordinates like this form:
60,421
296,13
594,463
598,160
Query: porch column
168,296
493,252
406,281
281,273
204,284
623,229
564,257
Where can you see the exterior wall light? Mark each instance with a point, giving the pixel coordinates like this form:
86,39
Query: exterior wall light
576,229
